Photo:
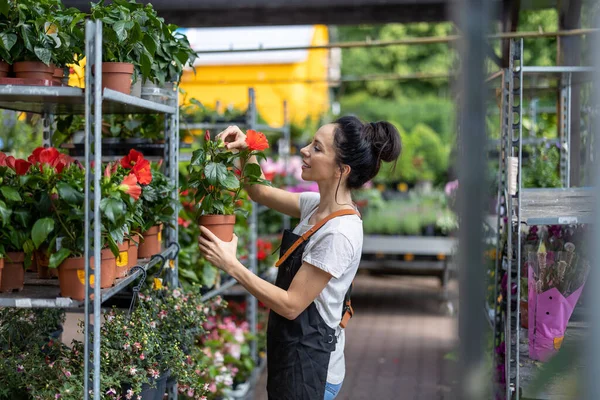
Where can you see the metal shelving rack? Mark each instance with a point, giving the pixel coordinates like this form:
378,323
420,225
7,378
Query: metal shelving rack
284,150
545,206
92,102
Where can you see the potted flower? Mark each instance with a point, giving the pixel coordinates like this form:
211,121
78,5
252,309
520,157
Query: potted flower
122,40
215,175
40,36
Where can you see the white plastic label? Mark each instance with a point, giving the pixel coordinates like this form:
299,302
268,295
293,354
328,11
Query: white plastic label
23,303
567,220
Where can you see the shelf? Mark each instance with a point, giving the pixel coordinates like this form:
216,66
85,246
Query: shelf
557,206
70,100
417,245
42,99
119,103
45,293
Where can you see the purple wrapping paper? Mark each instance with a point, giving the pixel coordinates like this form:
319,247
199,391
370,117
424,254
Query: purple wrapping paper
549,313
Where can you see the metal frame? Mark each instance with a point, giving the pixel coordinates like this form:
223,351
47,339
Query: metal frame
519,207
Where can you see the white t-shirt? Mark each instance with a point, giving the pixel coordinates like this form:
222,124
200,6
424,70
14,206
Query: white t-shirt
335,248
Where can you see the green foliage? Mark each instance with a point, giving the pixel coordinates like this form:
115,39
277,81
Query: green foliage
542,170
41,30
18,136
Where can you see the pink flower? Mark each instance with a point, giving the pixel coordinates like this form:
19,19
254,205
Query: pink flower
111,392
132,371
20,368
153,324
176,293
190,392
213,387
129,394
153,373
137,345
142,356
57,396
67,373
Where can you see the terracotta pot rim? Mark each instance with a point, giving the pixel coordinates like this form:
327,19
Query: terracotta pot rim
217,217
15,257
28,66
153,231
105,254
117,67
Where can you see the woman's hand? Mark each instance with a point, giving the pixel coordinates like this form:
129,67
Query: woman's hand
222,255
234,138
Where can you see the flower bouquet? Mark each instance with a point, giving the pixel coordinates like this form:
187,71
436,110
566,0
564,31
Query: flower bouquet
557,273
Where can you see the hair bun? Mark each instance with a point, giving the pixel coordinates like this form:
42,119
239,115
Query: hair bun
384,139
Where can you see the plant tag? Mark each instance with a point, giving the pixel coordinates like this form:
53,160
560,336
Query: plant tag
81,276
157,284
123,259
23,303
172,264
159,236
567,220
59,243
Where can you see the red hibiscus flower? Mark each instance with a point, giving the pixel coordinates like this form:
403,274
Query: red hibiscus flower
10,162
49,155
2,159
22,166
133,158
130,186
143,172
61,162
256,140
34,158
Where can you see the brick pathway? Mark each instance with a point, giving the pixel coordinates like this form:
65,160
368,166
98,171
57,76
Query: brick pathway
396,343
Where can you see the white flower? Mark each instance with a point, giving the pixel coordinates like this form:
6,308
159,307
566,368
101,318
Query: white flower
111,391
129,394
219,358
126,346
132,371
228,381
176,293
153,324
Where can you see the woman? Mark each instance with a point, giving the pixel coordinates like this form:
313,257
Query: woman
305,343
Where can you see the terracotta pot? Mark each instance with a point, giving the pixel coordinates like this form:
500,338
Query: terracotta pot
220,225
71,274
132,254
117,76
42,261
151,242
122,261
59,74
13,274
524,314
4,69
33,70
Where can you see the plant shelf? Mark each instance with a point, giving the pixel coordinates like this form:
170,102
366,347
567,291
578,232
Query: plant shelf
557,206
45,293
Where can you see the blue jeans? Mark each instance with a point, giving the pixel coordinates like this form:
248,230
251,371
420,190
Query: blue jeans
331,390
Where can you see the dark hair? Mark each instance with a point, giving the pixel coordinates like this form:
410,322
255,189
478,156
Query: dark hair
364,146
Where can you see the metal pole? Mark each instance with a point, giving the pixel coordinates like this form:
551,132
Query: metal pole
89,101
473,16
97,198
509,247
517,75
593,345
251,300
47,124
565,142
285,147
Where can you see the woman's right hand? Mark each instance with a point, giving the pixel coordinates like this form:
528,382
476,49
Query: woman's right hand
234,138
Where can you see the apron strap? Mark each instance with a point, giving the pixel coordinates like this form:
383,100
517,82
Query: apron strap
312,230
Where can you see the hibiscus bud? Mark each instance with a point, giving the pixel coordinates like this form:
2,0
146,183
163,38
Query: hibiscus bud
207,135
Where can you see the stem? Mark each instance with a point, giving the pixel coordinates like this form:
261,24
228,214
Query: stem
61,221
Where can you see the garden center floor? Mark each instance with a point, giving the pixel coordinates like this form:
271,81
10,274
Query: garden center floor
397,342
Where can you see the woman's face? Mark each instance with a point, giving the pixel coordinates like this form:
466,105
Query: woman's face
318,158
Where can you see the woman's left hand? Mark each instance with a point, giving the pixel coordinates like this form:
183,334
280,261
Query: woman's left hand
217,252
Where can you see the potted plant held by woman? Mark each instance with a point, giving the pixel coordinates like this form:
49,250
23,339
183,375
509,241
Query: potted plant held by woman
218,175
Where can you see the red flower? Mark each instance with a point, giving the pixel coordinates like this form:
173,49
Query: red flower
130,186
2,159
143,172
207,135
133,158
22,166
261,255
34,158
256,140
183,222
10,162
61,162
48,156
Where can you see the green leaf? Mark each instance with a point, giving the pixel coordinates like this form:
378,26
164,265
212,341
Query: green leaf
252,170
120,29
150,44
8,40
146,65
10,193
219,206
231,181
69,194
57,258
43,54
209,275
189,274
41,229
5,213
198,157
4,7
215,173
113,209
